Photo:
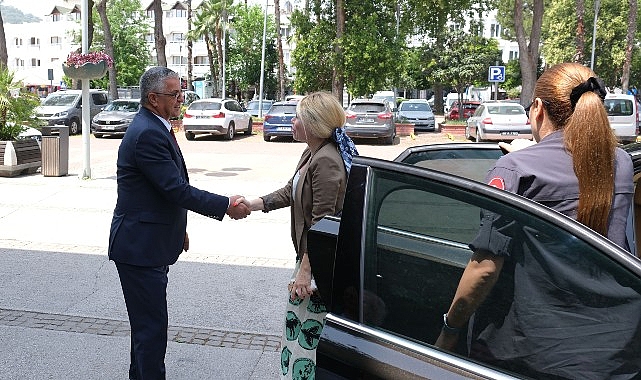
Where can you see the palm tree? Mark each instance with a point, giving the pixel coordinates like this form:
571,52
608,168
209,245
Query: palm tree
629,44
207,24
279,45
159,36
101,8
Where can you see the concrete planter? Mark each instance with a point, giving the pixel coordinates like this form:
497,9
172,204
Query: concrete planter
404,129
257,126
19,157
453,129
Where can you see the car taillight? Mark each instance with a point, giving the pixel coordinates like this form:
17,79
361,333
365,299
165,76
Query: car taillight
385,115
218,115
267,117
350,115
487,120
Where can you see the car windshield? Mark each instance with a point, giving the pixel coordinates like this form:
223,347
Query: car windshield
124,106
505,110
253,105
288,109
60,100
367,107
205,106
618,107
423,107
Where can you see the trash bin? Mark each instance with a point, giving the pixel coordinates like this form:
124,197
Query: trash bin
55,151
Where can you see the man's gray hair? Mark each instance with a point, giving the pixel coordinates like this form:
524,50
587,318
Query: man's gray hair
153,80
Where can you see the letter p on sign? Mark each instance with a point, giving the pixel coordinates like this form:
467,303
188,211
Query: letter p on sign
496,74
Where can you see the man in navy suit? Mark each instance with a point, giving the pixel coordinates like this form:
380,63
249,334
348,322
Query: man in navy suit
149,225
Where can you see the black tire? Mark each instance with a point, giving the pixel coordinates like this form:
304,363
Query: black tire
189,136
266,138
389,140
249,128
74,127
231,131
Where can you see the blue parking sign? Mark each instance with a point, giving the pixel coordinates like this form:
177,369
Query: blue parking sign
496,74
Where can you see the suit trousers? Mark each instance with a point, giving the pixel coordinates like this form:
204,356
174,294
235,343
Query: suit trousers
145,293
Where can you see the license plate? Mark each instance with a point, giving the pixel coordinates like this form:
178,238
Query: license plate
283,128
202,117
367,120
509,133
108,127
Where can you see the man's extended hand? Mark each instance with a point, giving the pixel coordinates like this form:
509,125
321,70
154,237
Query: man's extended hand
237,207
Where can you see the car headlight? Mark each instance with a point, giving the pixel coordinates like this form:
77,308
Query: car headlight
61,114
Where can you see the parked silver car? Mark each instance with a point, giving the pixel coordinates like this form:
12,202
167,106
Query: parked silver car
368,118
115,118
417,112
498,121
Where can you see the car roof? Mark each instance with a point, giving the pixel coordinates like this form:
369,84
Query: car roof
414,101
289,102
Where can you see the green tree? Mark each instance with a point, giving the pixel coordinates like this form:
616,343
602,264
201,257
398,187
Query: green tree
16,106
464,61
244,52
313,55
128,28
205,26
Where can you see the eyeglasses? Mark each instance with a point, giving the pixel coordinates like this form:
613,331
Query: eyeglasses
177,95
527,109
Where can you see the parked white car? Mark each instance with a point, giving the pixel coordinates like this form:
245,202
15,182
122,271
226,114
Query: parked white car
216,116
623,114
498,121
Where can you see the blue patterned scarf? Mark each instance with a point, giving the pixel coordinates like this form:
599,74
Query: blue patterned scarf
345,146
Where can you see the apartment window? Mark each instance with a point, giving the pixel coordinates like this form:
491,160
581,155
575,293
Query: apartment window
18,42
56,17
514,55
55,59
495,30
19,62
201,60
149,37
178,60
180,13
150,13
33,41
177,37
35,62
55,40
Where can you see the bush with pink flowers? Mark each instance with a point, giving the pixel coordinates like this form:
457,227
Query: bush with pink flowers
79,59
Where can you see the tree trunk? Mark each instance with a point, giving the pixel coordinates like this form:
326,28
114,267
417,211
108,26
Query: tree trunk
338,82
89,24
159,37
219,50
101,7
190,46
528,53
629,45
279,45
579,55
212,68
4,56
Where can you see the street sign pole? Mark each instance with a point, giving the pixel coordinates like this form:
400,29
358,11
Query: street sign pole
496,74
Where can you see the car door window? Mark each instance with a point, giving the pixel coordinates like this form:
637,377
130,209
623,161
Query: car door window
99,99
416,248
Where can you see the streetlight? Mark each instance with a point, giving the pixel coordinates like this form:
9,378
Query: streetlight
262,63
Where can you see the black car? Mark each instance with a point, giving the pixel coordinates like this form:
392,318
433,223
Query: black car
388,268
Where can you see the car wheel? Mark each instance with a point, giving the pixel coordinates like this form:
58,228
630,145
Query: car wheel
266,138
249,127
231,130
478,135
74,127
189,136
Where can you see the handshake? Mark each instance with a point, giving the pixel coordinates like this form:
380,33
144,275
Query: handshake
240,208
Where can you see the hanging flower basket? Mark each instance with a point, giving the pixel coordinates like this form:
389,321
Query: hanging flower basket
87,66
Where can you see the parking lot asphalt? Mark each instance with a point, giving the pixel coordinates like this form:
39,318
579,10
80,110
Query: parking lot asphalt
62,315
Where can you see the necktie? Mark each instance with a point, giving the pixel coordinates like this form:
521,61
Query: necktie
171,130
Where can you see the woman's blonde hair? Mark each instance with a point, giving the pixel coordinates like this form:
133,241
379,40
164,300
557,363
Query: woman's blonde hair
587,136
320,113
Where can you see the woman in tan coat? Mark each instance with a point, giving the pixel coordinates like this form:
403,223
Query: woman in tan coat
317,189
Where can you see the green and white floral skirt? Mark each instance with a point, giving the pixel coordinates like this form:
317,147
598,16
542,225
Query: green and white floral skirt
304,321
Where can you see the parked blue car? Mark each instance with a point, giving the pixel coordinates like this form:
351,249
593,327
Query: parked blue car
278,120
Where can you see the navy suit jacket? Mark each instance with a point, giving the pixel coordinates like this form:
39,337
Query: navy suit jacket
150,219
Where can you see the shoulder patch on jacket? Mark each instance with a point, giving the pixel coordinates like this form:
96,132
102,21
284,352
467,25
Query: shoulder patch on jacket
497,182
